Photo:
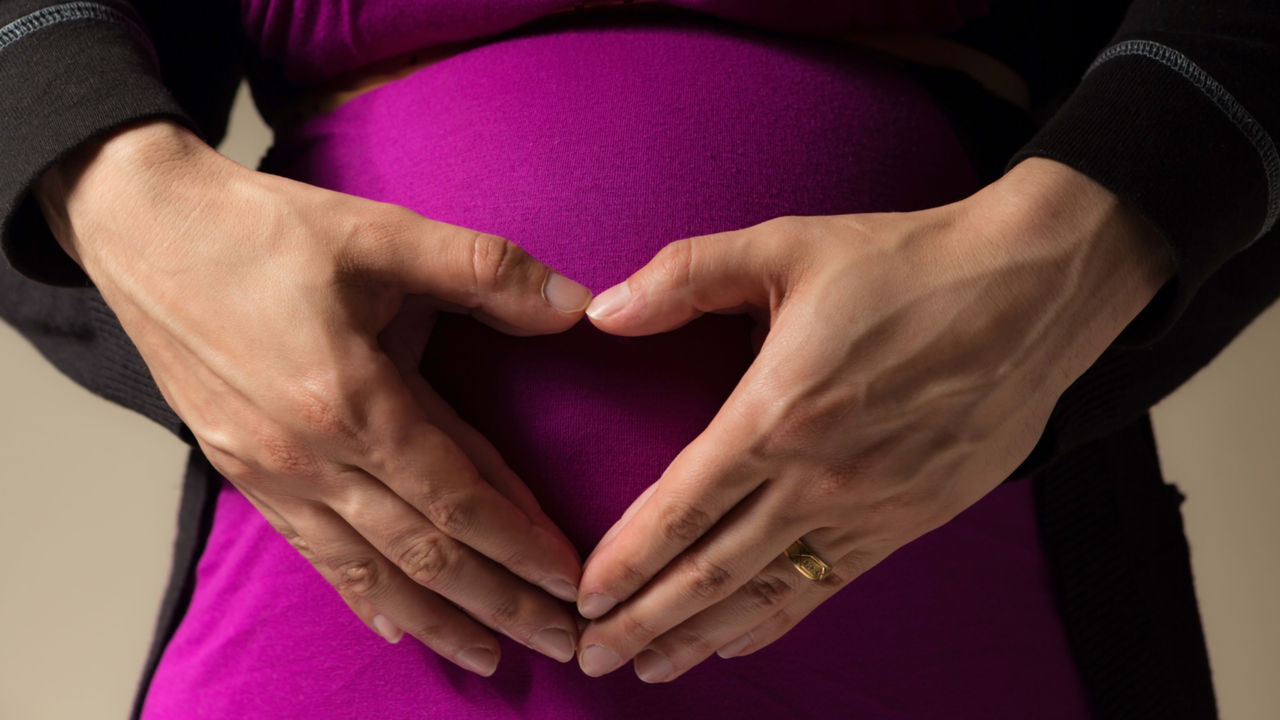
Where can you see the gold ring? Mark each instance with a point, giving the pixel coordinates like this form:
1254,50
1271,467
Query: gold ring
807,561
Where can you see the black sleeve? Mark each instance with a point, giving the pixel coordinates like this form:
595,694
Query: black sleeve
71,72
1177,115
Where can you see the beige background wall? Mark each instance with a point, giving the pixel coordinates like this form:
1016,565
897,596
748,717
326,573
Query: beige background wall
84,562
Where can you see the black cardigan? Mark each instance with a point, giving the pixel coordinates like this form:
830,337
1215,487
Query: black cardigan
1170,105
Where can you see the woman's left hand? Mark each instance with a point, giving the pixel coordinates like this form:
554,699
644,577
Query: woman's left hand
909,363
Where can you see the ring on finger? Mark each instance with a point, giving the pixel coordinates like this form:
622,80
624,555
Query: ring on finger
806,561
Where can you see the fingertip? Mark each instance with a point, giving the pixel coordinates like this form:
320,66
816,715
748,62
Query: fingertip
479,660
560,588
610,302
595,605
564,294
652,666
387,629
561,567
597,660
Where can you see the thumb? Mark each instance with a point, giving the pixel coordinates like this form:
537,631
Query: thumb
725,272
491,277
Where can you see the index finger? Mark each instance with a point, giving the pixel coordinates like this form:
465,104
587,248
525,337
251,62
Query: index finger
425,467
700,487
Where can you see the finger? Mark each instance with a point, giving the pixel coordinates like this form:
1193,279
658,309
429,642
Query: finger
359,572
375,620
779,623
683,647
504,285
405,340
629,513
709,477
363,609
689,277
487,591
694,492
382,597
426,468
740,547
492,468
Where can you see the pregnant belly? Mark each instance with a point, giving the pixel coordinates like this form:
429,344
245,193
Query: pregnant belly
592,148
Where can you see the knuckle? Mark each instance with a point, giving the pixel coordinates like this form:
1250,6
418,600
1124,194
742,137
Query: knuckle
674,262
358,578
785,225
300,544
248,452
812,415
768,591
706,580
637,629
453,513
397,444
292,536
286,456
320,408
681,523
495,261
690,642
424,559
506,610
628,577
824,489
430,628
228,462
372,235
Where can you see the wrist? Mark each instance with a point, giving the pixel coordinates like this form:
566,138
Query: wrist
1108,261
127,171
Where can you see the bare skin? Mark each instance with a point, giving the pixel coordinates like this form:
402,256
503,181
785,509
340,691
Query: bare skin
284,324
909,363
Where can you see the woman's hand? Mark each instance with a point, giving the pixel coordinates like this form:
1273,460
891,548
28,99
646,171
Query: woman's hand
284,324
911,362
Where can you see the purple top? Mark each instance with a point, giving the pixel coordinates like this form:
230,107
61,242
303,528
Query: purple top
592,147
317,40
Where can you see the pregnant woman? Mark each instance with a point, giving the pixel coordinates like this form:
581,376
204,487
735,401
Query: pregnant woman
592,143
811,322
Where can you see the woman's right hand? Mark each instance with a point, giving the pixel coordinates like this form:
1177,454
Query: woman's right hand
284,323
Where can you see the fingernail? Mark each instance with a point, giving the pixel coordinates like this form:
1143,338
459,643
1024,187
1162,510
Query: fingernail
735,647
595,605
598,660
554,643
561,588
564,294
610,301
387,629
479,660
652,666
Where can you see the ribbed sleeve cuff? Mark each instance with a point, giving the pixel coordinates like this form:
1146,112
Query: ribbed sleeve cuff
1154,128
69,73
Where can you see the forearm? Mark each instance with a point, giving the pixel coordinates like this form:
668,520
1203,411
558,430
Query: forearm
1100,263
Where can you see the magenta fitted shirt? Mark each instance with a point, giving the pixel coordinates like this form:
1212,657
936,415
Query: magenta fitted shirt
592,145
